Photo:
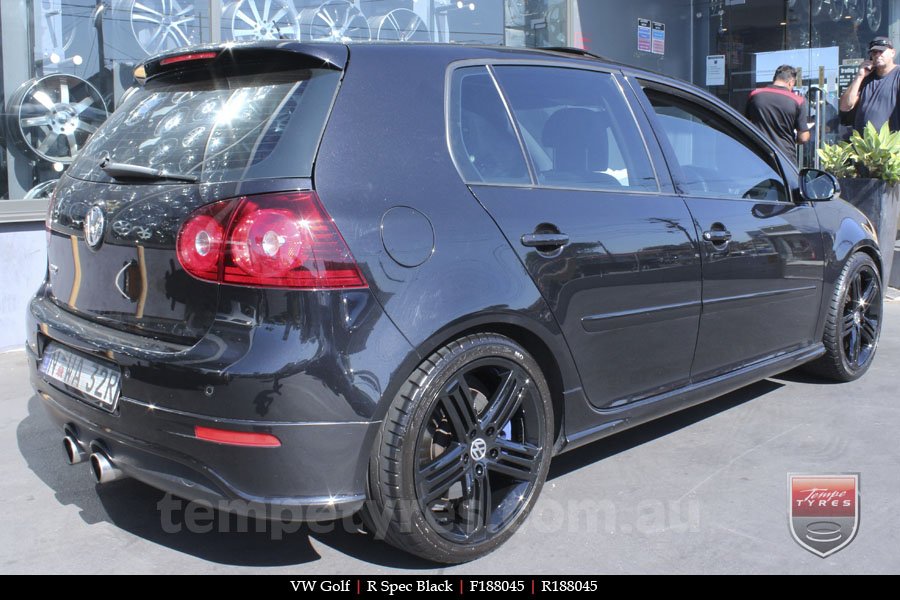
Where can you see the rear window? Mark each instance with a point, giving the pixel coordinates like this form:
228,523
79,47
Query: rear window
226,129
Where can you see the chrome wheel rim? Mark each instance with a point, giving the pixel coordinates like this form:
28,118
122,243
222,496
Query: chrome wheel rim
873,14
161,25
253,20
334,21
57,114
479,456
861,318
400,25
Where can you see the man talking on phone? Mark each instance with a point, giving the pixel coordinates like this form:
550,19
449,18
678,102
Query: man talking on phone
873,93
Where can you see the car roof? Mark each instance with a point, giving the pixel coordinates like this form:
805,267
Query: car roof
335,55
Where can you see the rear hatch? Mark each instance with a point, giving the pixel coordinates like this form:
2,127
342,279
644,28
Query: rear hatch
205,127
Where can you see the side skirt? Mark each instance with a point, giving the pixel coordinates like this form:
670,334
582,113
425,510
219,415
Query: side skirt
585,424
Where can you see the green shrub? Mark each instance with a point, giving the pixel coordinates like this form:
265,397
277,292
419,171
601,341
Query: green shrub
874,154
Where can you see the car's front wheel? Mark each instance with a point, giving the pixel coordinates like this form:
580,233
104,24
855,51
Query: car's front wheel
463,451
853,322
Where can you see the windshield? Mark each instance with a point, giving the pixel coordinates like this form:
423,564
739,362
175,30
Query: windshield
226,129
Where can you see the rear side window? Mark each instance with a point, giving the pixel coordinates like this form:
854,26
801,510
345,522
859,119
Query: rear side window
226,129
578,128
482,137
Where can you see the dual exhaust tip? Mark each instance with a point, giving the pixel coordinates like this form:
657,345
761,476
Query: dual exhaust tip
102,468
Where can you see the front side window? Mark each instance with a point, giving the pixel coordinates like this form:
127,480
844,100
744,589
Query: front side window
714,158
578,128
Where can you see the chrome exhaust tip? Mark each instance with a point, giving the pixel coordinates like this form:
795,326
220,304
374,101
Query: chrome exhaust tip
74,452
103,469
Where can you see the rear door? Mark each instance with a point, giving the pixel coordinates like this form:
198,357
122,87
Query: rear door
557,158
762,252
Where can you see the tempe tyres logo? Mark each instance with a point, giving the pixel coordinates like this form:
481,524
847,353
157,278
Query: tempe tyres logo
824,511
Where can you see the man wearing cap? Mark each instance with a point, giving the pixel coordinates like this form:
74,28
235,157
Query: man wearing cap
779,112
875,90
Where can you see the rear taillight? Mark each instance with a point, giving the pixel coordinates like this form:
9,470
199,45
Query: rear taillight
283,240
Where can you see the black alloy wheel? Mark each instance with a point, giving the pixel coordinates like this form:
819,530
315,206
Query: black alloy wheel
464,451
861,317
853,322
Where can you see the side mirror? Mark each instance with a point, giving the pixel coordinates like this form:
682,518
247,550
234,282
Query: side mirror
818,186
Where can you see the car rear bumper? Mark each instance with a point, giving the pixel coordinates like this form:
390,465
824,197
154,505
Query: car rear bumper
317,394
309,477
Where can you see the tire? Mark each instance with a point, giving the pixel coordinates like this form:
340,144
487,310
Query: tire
463,451
853,322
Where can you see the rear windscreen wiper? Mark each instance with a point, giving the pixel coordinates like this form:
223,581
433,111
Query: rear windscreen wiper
126,171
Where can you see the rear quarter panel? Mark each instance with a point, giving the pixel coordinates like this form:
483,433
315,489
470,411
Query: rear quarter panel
385,147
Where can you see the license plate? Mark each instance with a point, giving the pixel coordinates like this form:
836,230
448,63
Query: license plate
95,380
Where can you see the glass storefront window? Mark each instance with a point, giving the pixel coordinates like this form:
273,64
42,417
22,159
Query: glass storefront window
65,65
825,39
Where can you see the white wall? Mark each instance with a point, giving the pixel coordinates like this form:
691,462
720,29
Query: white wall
23,263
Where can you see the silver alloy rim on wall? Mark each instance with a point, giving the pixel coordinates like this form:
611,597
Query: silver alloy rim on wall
252,20
400,25
55,115
161,25
334,21
873,14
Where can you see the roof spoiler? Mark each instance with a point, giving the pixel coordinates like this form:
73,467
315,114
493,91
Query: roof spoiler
575,51
226,56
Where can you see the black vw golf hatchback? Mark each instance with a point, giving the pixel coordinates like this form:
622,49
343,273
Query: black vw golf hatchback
304,281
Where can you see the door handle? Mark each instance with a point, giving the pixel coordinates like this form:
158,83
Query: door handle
552,241
717,236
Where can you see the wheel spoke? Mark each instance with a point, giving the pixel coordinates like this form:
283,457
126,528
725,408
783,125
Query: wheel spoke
180,33
36,121
856,290
476,509
870,294
48,141
139,6
436,478
246,19
87,127
393,21
855,343
848,321
73,144
515,460
460,408
505,401
869,330
83,105
44,99
255,10
146,19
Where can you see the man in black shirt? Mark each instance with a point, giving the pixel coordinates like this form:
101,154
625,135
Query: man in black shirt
874,91
779,112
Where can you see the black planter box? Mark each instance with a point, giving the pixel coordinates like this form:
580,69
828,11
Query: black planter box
880,202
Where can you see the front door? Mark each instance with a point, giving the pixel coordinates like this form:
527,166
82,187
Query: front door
762,252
